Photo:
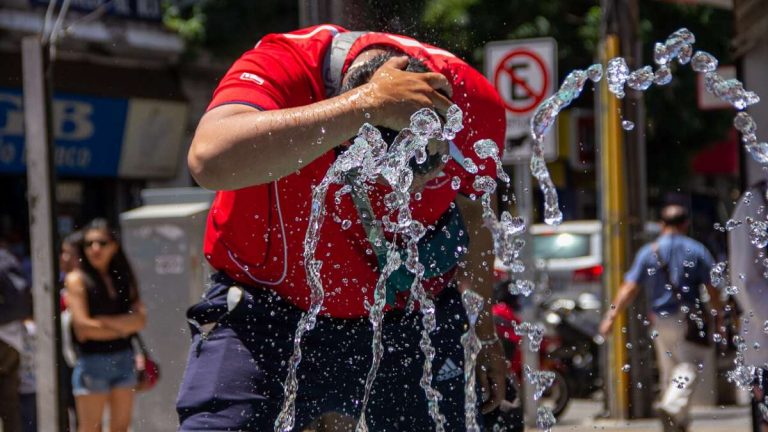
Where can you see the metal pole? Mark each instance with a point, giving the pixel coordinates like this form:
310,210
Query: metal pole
641,358
528,307
613,212
42,217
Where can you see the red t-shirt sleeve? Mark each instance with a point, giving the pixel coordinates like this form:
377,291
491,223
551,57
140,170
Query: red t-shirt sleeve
263,77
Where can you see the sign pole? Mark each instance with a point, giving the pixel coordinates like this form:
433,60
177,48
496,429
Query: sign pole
524,72
528,307
42,217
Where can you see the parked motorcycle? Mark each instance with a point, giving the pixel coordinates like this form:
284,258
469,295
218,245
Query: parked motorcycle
574,341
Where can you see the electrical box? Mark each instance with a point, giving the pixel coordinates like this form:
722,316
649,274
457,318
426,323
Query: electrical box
163,240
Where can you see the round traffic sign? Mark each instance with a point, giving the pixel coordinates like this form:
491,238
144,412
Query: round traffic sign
520,95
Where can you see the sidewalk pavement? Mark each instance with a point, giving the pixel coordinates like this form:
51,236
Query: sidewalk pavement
580,417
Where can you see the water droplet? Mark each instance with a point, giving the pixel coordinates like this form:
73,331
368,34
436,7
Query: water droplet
641,79
758,151
662,76
455,183
453,122
703,62
484,184
651,271
684,57
545,420
660,54
617,74
627,125
626,368
595,72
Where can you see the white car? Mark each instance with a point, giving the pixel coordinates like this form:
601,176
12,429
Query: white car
568,258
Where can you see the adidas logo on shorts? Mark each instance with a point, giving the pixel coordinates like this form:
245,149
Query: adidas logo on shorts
449,370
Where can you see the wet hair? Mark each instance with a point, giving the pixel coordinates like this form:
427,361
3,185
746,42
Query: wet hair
674,215
119,269
361,74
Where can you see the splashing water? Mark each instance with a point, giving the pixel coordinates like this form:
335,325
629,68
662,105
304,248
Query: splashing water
758,232
540,380
718,274
543,118
521,287
545,420
473,304
369,158
363,162
534,333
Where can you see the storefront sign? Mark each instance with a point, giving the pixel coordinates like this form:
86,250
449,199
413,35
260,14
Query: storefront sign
91,133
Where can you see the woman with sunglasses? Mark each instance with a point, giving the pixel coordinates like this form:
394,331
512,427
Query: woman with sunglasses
106,311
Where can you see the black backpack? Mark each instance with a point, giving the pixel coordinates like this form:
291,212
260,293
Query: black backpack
15,294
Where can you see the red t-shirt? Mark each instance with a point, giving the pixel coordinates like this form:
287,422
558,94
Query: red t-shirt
256,234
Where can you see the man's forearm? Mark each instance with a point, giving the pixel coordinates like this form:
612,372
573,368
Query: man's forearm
627,293
236,146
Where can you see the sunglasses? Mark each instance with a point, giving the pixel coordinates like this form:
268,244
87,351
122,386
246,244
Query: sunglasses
101,243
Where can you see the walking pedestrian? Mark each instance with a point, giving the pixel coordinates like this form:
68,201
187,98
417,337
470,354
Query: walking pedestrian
748,276
276,123
106,311
671,270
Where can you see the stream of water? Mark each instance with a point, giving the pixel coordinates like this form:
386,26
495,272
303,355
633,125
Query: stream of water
370,158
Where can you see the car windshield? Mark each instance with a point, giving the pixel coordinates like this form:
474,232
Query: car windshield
560,246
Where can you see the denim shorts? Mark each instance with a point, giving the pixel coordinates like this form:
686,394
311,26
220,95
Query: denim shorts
102,372
234,377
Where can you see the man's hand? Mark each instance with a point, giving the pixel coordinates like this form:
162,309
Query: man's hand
492,375
397,94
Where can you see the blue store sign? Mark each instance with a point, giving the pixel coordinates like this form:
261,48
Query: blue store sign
88,133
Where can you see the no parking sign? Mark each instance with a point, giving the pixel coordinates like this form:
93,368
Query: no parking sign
524,72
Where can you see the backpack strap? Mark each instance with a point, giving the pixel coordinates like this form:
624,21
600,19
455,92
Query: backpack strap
334,60
440,250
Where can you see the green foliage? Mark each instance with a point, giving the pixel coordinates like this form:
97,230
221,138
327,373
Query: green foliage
188,23
226,28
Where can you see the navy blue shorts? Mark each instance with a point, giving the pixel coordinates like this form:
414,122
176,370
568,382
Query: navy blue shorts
234,378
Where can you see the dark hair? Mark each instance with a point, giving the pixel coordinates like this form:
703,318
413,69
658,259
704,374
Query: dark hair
674,215
73,239
119,268
361,74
